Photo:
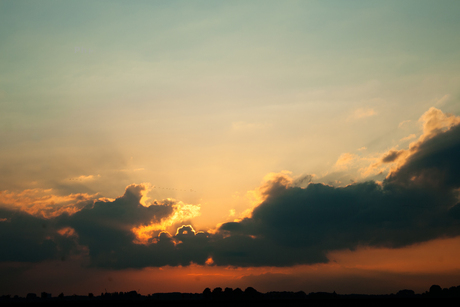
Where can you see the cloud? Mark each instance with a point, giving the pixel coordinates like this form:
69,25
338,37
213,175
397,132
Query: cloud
85,178
362,113
42,202
392,156
105,230
287,225
304,180
409,137
433,163
28,238
435,121
345,160
442,100
416,203
403,123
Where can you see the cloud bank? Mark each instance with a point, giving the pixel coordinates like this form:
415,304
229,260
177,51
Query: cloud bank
417,202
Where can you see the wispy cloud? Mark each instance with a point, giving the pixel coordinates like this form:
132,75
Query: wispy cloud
442,100
403,123
409,137
345,160
362,113
85,178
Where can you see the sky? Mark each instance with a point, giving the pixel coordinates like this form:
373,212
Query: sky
165,146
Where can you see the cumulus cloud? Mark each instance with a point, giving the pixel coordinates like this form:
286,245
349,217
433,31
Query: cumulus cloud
108,230
28,238
415,203
292,221
435,121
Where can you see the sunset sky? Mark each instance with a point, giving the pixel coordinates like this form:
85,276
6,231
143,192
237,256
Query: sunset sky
164,146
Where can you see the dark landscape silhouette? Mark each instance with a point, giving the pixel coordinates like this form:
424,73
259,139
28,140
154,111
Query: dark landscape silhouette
249,296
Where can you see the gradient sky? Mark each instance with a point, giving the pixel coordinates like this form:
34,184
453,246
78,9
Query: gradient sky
323,130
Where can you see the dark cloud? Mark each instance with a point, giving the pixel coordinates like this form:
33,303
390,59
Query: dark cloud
28,238
434,165
293,225
392,156
105,229
303,181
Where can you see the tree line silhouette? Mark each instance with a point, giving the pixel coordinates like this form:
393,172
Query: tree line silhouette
229,294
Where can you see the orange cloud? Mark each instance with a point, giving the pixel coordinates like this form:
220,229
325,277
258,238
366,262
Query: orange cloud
42,202
67,232
345,160
435,121
404,122
258,195
181,213
85,178
409,137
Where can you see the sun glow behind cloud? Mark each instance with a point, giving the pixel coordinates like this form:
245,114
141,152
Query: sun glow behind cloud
170,227
202,100
181,213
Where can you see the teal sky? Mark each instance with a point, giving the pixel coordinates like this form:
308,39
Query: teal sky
210,96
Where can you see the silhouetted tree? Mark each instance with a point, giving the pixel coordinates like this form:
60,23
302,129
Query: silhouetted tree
302,294
435,290
237,293
228,293
62,295
405,292
217,292
207,293
131,294
45,295
454,291
250,292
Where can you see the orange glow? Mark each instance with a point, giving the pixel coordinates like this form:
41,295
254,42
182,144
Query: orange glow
209,261
181,213
344,160
67,232
433,256
258,195
42,203
365,270
434,122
